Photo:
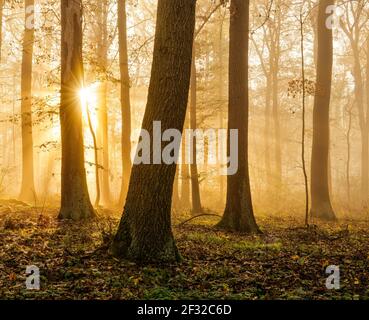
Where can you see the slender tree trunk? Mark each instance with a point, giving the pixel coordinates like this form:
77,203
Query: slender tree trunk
185,175
221,98
175,198
277,126
125,100
1,25
275,53
104,144
320,199
96,155
239,215
359,94
195,187
303,129
364,132
103,136
75,200
365,160
27,193
348,162
267,134
144,233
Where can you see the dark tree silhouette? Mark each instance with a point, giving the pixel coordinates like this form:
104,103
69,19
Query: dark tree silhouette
320,200
75,200
238,214
144,233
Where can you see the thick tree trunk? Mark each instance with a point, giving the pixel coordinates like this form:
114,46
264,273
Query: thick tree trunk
144,233
125,101
239,215
75,200
195,187
320,199
27,193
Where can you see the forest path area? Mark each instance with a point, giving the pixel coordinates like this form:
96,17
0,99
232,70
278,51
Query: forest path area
287,262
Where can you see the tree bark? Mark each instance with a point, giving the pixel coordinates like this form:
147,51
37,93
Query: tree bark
185,175
1,25
195,186
125,100
239,215
75,200
267,135
102,131
144,233
275,51
365,138
221,94
27,193
175,199
320,199
96,156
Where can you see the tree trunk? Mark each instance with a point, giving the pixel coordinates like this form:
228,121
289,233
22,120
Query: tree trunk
277,126
144,233
103,136
365,160
348,162
195,187
320,200
221,95
27,193
239,215
75,200
353,35
267,136
175,198
185,175
96,156
125,101
1,25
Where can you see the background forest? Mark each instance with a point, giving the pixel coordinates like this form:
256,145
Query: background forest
306,162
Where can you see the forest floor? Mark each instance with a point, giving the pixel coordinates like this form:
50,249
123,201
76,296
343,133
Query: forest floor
286,262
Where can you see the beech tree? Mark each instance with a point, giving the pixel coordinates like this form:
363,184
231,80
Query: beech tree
75,200
27,193
195,185
125,100
239,214
1,24
321,206
144,233
102,131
